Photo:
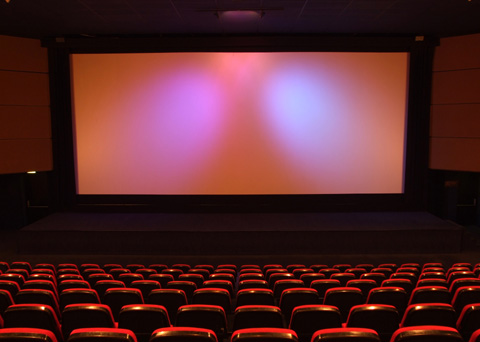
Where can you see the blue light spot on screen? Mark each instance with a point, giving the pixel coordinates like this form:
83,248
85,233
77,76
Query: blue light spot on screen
296,103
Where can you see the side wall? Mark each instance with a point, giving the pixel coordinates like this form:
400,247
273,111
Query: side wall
25,130
455,105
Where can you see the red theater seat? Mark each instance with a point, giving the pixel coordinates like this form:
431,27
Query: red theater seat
143,319
72,284
465,296
294,297
254,297
429,314
37,296
257,316
116,298
281,285
26,334
188,287
213,296
264,334
384,319
183,334
252,283
426,333
171,299
128,278
146,286
102,334
203,316
344,298
395,296
469,321
346,334
307,319
32,316
430,294
78,296
6,300
76,316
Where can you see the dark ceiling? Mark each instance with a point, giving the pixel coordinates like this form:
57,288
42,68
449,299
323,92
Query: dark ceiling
60,18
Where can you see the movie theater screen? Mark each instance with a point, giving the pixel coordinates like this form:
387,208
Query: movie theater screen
240,123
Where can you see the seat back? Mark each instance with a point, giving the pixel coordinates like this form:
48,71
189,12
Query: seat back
102,286
183,334
290,298
187,286
203,316
26,334
145,286
257,316
76,316
72,284
469,321
322,285
38,296
116,298
213,296
32,316
429,314
6,300
308,278
128,278
384,319
343,277
10,286
346,334
171,299
264,334
430,294
255,296
426,333
102,334
196,278
365,285
281,285
306,319
220,284
163,279
395,296
461,282
78,296
143,319
253,284
405,284
344,298
464,296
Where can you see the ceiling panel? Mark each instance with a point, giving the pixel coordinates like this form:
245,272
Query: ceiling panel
56,18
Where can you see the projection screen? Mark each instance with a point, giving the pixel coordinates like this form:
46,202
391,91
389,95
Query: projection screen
239,123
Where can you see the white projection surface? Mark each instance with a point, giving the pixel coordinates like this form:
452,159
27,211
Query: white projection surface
238,123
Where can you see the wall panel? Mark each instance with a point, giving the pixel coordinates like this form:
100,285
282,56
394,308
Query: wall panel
24,88
456,53
456,154
455,105
25,120
25,155
22,54
456,86
449,121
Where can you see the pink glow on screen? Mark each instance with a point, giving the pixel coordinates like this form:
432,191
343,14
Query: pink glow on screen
240,123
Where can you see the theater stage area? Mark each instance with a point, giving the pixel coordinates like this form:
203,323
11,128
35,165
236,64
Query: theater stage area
220,234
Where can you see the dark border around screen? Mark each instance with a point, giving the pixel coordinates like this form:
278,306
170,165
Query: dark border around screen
62,180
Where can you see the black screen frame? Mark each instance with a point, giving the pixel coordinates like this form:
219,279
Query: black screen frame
63,187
